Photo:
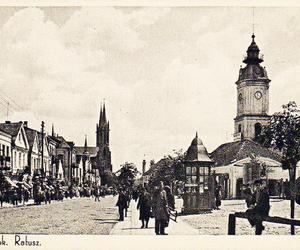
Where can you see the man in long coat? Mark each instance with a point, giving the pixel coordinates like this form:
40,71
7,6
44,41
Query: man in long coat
260,207
160,209
122,204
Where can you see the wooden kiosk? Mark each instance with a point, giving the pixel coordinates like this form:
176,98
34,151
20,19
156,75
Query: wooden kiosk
199,195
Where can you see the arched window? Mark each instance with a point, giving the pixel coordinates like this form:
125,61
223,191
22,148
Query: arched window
240,128
257,128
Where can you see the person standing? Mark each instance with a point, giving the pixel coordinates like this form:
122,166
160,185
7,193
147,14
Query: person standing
97,193
1,197
144,205
247,193
122,204
260,207
218,196
160,209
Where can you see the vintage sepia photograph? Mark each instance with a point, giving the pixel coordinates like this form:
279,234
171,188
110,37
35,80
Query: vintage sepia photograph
149,121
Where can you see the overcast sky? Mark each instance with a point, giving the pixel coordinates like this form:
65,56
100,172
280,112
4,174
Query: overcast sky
165,73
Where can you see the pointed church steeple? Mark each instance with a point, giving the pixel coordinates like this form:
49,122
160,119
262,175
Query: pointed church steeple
104,113
100,118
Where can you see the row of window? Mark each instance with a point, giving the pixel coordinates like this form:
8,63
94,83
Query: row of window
4,150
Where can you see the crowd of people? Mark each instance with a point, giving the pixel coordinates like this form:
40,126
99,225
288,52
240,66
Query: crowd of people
158,203
41,190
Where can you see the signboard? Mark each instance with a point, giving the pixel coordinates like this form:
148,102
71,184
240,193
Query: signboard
190,185
237,136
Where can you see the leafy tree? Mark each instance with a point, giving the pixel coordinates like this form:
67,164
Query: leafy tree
127,174
169,169
109,178
283,134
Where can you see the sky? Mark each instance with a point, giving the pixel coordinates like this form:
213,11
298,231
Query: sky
164,73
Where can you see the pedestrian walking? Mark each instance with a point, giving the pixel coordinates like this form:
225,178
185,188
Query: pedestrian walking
218,196
122,204
144,205
160,211
1,197
97,194
128,198
260,207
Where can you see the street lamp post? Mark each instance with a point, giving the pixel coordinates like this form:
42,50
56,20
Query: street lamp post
42,158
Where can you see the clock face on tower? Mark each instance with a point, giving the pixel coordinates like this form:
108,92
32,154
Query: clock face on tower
258,95
240,97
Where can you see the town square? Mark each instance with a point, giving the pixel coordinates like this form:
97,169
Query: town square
149,121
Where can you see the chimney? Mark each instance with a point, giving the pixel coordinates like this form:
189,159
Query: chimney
25,124
144,166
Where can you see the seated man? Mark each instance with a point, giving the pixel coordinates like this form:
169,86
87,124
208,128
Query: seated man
260,207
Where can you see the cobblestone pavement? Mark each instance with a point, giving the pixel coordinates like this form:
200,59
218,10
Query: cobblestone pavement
72,216
132,225
216,223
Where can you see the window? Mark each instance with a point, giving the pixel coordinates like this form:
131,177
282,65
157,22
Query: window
3,149
257,128
20,156
7,151
15,159
240,128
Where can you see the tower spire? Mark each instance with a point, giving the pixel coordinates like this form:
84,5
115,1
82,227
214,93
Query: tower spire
104,112
100,118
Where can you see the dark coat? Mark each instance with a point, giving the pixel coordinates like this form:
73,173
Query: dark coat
261,202
144,205
122,200
160,204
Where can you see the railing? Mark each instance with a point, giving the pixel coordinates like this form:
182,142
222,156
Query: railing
273,219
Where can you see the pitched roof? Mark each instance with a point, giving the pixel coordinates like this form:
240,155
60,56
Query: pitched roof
91,150
31,134
235,151
11,128
63,143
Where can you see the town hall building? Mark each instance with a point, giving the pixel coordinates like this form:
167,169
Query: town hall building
232,160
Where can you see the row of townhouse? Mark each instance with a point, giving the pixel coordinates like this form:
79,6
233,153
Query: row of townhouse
21,153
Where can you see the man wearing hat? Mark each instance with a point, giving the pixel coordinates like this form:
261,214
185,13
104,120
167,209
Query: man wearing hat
260,207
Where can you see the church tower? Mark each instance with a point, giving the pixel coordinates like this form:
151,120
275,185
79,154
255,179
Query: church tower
252,96
102,141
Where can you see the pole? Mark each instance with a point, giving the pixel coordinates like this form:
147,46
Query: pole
292,194
42,164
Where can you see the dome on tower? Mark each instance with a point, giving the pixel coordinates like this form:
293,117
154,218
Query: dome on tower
253,53
197,151
253,70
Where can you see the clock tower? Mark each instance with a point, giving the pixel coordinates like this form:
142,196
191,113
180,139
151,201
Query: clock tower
252,96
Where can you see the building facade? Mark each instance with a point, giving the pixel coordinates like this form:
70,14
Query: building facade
102,142
234,160
19,145
252,96
5,151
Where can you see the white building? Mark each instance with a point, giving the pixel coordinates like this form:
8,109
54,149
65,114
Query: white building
5,150
19,145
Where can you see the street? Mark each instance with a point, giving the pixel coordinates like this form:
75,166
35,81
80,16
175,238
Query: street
216,223
72,216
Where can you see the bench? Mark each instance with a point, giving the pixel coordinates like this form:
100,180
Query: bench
273,219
